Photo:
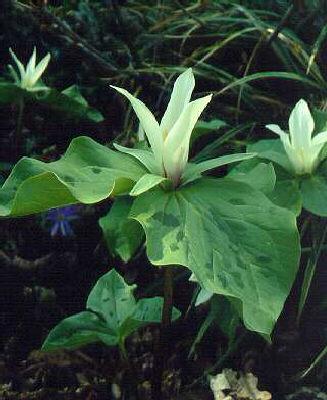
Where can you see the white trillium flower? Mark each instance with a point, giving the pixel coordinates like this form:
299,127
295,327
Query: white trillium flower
30,75
302,149
170,139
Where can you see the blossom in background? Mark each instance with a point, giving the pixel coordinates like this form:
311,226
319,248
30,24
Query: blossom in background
302,149
29,76
170,139
60,220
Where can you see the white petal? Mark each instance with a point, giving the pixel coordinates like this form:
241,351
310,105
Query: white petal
31,64
194,171
146,157
321,138
180,97
284,137
40,68
276,129
301,125
14,73
176,146
20,66
148,122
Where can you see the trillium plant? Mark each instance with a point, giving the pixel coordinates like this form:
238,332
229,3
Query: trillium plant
303,150
29,77
231,233
26,84
301,153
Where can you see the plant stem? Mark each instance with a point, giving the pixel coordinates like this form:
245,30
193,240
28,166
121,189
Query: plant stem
313,365
168,298
162,351
318,240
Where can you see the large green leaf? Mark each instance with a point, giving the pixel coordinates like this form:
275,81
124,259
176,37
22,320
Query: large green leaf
79,330
314,194
273,150
113,314
279,186
235,241
286,194
87,173
122,234
259,175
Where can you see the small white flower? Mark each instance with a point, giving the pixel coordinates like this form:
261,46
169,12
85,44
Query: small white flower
302,149
29,76
170,139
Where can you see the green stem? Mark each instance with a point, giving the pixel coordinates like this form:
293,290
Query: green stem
213,369
318,240
122,349
168,298
313,365
162,352
131,373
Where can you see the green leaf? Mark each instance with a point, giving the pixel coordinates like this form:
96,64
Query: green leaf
280,187
314,194
226,317
113,299
269,75
287,194
273,150
222,314
122,234
10,92
150,310
70,102
87,173
145,183
261,176
78,330
320,119
74,93
112,315
205,127
235,241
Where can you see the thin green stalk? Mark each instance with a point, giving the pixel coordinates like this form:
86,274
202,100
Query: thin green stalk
313,365
168,298
214,368
131,373
162,352
318,242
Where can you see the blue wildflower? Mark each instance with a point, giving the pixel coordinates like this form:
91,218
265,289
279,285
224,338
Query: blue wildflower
60,219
